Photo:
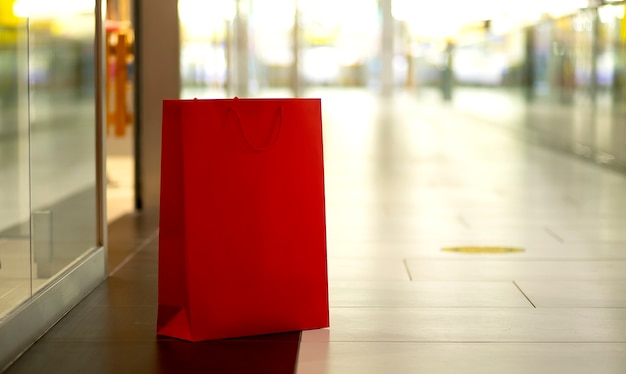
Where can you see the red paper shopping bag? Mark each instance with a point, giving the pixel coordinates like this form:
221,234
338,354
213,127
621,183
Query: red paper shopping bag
242,242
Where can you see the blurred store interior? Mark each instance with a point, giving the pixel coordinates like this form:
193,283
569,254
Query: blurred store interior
521,55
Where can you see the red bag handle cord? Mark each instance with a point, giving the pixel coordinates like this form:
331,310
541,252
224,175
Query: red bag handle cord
275,133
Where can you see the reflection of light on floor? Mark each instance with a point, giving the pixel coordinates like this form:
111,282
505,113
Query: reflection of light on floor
15,266
120,182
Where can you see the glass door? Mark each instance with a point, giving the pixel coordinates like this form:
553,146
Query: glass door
48,193
15,261
62,133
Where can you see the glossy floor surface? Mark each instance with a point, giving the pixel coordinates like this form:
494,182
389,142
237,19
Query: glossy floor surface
406,178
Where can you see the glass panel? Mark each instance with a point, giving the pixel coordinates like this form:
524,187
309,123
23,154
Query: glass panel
62,133
15,261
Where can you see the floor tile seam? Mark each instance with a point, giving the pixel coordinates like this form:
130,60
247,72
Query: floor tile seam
157,340
109,306
477,307
424,280
147,241
407,269
621,278
438,239
538,308
480,259
554,235
524,294
480,342
383,307
485,258
98,340
547,307
476,280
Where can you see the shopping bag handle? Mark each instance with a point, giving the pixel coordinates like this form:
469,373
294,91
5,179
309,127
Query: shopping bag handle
275,131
